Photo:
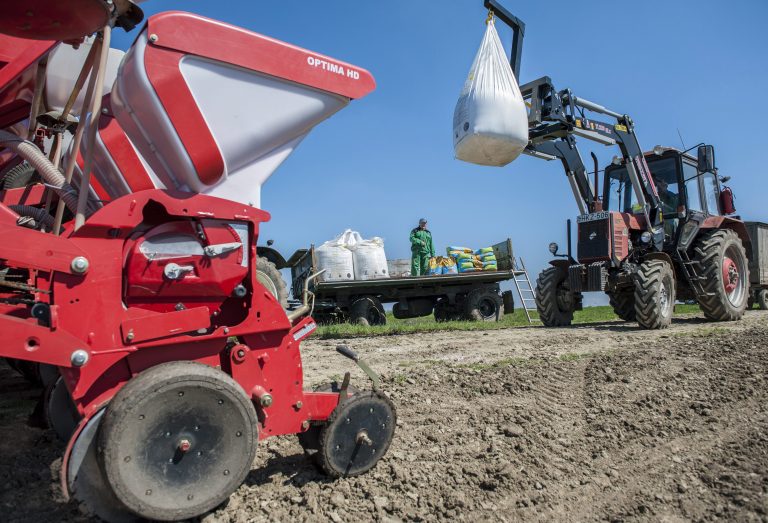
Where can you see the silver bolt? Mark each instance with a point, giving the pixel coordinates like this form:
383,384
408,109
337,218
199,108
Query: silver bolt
129,337
226,330
79,265
104,110
153,38
79,358
265,400
299,405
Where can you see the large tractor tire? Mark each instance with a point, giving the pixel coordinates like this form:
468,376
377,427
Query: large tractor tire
762,299
270,277
483,305
723,263
367,311
623,304
554,299
654,294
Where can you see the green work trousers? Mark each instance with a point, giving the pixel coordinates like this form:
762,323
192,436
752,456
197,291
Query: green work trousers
419,263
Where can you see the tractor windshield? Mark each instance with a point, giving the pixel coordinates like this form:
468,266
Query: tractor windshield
621,197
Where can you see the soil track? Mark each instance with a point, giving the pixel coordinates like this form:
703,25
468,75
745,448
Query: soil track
590,423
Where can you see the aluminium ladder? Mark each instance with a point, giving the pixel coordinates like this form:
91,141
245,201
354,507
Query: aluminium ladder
525,290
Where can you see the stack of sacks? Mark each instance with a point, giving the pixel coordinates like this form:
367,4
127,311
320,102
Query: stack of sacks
442,265
487,258
465,259
468,260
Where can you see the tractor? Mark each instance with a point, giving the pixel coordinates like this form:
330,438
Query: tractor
661,230
130,280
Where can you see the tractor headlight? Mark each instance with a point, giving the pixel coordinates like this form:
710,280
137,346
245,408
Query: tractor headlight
645,237
553,248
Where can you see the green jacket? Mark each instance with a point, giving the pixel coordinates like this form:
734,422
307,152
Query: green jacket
421,242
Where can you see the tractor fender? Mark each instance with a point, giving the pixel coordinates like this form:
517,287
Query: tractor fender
271,255
660,256
561,264
737,226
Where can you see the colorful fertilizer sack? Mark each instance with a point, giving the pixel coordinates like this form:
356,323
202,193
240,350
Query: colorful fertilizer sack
490,267
484,250
459,249
450,269
466,265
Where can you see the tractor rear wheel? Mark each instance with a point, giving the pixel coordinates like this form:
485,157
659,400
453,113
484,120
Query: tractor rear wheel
177,440
554,299
762,299
654,294
367,311
483,305
623,304
723,263
272,280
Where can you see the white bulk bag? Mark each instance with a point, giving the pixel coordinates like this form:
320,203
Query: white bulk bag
370,261
490,122
336,259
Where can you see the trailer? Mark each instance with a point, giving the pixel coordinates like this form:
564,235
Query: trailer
474,296
758,264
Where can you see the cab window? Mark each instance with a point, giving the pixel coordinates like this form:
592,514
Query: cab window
691,177
620,195
664,173
711,193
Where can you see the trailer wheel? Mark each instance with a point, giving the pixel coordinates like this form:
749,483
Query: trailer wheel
268,275
762,299
444,311
654,294
177,440
483,305
509,302
623,304
723,263
554,299
367,311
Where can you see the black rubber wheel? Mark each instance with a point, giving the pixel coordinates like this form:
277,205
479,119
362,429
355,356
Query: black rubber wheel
30,370
272,280
508,299
554,299
654,294
368,311
483,305
751,301
20,176
762,299
443,311
356,435
310,438
623,304
60,410
177,440
723,263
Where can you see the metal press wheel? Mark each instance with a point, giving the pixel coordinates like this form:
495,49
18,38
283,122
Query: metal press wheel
177,440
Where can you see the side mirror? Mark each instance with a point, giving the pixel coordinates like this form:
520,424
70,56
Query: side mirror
553,247
706,158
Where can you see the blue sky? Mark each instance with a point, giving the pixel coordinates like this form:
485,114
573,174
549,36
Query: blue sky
387,159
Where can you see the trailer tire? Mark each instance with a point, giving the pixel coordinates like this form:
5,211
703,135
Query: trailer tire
762,299
554,299
723,262
367,311
654,294
623,304
508,299
483,305
444,311
272,280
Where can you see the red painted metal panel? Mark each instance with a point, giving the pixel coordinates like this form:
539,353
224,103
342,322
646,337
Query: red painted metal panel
164,325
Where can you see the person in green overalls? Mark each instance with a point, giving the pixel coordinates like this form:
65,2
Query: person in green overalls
422,249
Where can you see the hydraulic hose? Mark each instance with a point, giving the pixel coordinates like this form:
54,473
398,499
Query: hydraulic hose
39,215
40,162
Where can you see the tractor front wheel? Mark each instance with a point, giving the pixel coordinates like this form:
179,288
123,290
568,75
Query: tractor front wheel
554,299
268,275
723,264
654,294
623,304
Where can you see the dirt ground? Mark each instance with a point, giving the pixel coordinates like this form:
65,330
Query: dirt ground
590,423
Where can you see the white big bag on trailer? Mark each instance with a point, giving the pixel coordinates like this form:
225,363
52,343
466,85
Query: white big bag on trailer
336,259
490,122
370,261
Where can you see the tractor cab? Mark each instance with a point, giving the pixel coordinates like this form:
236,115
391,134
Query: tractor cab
687,187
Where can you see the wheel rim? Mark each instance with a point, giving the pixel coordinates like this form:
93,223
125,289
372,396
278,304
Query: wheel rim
665,299
267,282
734,282
487,308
